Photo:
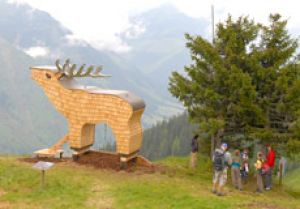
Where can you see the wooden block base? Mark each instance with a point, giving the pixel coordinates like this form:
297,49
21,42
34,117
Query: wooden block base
49,153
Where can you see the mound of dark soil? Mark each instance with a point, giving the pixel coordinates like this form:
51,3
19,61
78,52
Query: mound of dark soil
97,159
102,160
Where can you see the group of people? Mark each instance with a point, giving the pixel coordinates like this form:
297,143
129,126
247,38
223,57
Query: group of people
238,162
264,168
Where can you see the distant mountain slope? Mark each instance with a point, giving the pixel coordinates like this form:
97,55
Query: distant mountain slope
24,27
160,49
27,120
170,137
124,76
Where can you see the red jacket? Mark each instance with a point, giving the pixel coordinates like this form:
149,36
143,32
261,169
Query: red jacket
271,158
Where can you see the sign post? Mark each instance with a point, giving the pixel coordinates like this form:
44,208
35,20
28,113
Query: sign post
43,166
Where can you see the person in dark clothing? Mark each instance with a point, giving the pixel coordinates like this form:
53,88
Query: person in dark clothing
245,166
194,153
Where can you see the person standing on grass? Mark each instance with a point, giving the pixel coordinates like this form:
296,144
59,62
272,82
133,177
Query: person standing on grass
221,162
282,166
235,170
258,167
270,161
245,166
194,153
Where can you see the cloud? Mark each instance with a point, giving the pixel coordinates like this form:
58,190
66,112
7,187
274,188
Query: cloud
135,29
115,43
95,22
99,22
257,9
37,51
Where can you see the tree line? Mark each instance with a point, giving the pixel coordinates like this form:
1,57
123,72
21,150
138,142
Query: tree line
168,137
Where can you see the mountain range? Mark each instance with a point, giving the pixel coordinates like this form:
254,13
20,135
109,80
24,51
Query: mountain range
28,121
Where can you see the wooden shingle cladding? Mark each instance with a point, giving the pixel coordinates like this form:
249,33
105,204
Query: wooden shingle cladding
85,106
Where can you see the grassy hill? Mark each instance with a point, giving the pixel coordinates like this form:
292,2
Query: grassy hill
69,185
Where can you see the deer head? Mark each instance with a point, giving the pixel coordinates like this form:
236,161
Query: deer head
45,74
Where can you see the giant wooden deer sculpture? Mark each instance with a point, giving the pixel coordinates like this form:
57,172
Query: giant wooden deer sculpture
86,106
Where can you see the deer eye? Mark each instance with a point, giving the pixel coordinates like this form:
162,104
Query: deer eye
48,76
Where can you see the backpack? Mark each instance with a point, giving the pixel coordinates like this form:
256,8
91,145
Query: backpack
219,161
265,168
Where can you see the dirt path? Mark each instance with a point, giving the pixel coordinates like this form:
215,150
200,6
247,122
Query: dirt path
4,204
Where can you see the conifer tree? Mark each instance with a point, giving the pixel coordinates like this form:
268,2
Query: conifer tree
246,82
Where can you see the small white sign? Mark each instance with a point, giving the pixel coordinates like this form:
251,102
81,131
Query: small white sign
41,165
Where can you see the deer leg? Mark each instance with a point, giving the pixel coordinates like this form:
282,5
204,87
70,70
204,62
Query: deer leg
75,135
81,138
75,139
52,151
60,143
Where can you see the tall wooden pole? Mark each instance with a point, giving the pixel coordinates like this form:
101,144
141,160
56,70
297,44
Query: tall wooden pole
212,137
43,179
213,23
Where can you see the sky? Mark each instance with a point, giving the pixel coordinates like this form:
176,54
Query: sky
99,22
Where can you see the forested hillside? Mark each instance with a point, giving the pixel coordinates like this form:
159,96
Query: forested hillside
169,137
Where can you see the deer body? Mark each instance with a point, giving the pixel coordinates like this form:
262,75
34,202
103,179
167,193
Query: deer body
84,107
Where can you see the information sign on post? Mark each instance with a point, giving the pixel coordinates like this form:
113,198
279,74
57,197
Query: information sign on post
43,166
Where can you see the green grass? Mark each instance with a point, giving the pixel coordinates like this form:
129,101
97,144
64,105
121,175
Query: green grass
179,187
292,183
182,187
22,184
162,195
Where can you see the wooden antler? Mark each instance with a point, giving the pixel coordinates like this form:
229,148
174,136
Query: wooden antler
69,70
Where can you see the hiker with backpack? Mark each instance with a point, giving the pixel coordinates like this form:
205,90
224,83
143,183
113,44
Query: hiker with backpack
221,162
